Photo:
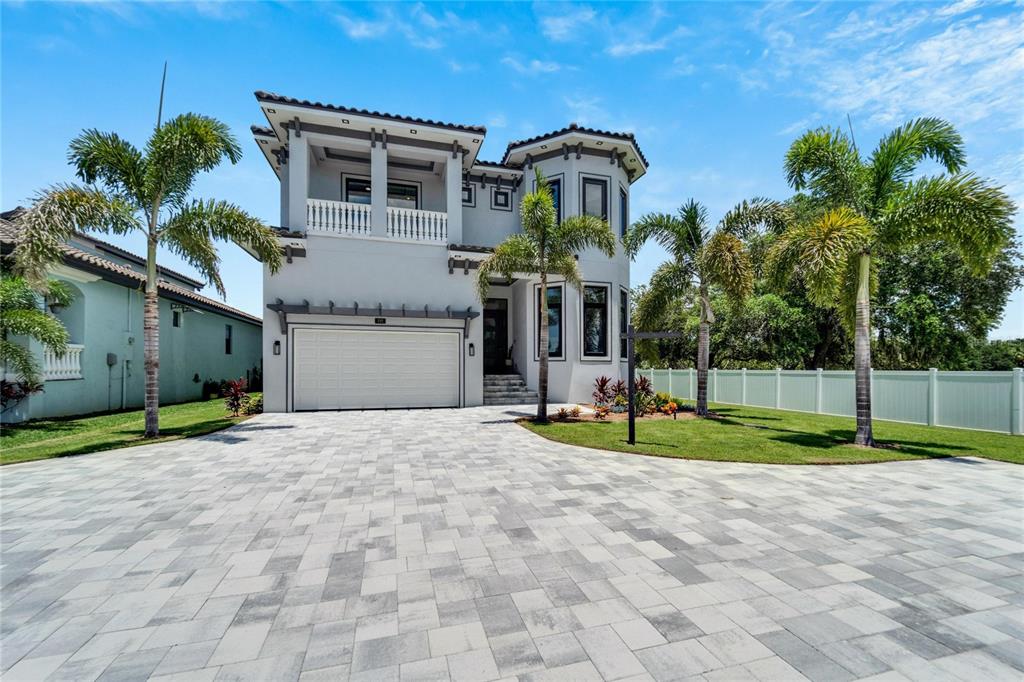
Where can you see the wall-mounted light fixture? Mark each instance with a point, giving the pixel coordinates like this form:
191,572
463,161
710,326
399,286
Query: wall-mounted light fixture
472,350
277,347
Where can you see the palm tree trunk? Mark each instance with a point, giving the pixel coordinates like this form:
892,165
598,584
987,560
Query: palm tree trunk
542,377
703,334
151,342
862,351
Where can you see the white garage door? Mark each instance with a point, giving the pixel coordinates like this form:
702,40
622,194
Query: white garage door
342,369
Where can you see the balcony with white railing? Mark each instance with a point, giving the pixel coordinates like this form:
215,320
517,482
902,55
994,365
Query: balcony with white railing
338,217
349,219
415,225
60,367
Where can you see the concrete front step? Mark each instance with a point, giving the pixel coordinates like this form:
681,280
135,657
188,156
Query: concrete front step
511,396
510,401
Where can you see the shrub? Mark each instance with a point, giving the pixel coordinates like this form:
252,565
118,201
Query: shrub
602,390
234,395
644,404
575,412
643,385
620,388
601,411
563,414
13,392
253,405
661,399
620,404
669,408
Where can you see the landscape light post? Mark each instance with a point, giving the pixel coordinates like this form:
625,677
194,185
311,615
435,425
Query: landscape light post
630,337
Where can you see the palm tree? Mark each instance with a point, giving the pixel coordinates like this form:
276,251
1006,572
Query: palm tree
702,258
545,247
128,190
21,315
870,206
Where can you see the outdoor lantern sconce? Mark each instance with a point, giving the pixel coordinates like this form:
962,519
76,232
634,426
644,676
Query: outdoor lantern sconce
472,350
277,347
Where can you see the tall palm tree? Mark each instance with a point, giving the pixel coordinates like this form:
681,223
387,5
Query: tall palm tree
21,315
128,190
545,247
874,205
701,258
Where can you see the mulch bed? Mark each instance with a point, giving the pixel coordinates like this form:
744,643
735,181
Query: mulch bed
623,416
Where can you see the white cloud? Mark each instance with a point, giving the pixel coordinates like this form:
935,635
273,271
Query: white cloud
498,120
566,25
531,67
415,23
641,43
888,66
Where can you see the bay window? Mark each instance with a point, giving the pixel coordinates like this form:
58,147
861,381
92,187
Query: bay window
595,321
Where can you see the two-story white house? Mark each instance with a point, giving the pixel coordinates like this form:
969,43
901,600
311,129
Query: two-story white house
384,222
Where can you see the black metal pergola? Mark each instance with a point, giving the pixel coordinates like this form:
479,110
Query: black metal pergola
629,337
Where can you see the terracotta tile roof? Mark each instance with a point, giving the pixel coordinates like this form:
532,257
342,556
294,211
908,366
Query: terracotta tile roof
281,99
72,255
573,127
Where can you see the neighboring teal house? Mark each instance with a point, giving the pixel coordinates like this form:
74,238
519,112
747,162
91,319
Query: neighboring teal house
200,338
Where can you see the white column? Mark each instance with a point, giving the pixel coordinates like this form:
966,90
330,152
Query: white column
298,180
453,198
379,189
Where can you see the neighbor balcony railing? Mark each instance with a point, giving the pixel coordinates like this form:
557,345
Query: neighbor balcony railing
67,366
355,220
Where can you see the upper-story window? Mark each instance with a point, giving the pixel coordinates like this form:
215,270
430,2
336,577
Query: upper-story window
555,184
623,212
175,318
501,199
595,198
400,195
468,195
227,339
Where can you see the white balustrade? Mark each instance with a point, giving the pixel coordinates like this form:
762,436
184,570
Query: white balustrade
415,225
67,366
338,217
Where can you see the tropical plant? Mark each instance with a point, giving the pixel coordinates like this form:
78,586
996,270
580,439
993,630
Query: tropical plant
22,315
235,396
545,248
130,190
253,405
701,259
872,207
620,389
602,390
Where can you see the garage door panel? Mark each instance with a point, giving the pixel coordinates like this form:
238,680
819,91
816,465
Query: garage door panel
353,369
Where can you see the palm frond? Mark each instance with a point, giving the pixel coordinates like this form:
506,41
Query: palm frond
826,162
962,211
694,217
537,209
180,149
39,325
725,262
19,360
821,251
899,153
56,215
580,232
670,282
110,160
518,253
746,216
568,267
661,227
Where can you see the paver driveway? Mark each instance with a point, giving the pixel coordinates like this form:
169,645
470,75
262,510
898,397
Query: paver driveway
423,545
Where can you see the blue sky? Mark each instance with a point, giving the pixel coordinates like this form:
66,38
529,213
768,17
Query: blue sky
714,91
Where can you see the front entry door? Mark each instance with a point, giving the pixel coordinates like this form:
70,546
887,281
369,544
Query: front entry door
495,335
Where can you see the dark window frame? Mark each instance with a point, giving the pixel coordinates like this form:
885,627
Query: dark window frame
590,181
605,308
623,323
176,318
347,179
560,355
472,195
507,193
556,196
623,211
228,335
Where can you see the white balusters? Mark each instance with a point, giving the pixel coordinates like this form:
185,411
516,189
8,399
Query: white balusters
340,217
67,366
415,225
346,218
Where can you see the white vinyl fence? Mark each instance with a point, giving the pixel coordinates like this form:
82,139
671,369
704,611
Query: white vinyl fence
988,401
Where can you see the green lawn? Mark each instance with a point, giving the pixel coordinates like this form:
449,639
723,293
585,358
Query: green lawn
748,434
47,438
